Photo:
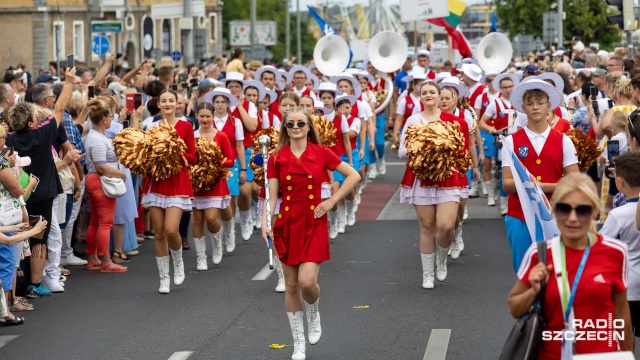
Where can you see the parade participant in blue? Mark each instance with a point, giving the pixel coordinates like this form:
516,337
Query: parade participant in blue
546,153
299,234
376,130
247,113
225,121
344,103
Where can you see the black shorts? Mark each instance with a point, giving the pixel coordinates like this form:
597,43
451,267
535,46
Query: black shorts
43,208
635,317
593,172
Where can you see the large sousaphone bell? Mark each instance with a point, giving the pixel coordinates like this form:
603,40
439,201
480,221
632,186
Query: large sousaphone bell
331,55
387,52
494,52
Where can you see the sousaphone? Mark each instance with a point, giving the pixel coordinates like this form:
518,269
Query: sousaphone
387,52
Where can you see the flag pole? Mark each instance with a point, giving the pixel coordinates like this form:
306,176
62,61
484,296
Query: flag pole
450,55
415,36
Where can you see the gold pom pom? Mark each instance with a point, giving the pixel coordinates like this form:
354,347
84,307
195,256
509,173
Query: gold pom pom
436,150
131,150
165,152
326,130
208,170
258,171
586,148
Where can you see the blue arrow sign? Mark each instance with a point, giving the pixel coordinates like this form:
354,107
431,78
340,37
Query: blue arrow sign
100,45
176,56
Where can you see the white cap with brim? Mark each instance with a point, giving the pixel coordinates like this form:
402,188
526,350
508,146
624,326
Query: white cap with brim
272,94
208,97
360,74
557,80
258,85
473,71
299,68
267,68
555,97
423,52
496,82
354,82
116,86
313,79
343,97
489,73
327,86
455,83
286,76
319,105
233,76
441,76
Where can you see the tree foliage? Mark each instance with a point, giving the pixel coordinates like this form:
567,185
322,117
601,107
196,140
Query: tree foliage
584,18
271,10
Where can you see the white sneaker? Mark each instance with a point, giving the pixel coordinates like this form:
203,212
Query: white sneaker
372,172
351,213
72,260
52,284
382,168
333,225
216,245
246,226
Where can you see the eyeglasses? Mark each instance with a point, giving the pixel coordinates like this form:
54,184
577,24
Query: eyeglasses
611,65
299,78
300,124
583,212
506,87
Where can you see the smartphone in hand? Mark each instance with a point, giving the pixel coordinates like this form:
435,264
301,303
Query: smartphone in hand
92,92
613,149
71,61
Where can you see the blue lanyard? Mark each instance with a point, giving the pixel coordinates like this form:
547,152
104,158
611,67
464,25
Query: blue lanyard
634,200
567,310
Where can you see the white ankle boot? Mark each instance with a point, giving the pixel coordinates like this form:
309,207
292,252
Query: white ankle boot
342,219
281,285
178,266
313,321
229,233
428,262
491,201
382,167
466,213
201,253
246,226
333,225
297,330
504,205
372,172
163,270
458,238
474,192
455,246
257,217
216,245
351,213
441,262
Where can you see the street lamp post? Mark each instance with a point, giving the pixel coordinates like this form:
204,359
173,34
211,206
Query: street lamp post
287,38
299,32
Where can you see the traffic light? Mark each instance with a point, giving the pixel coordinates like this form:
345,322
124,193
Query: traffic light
625,19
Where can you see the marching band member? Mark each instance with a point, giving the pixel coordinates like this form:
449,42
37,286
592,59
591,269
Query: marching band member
436,203
312,83
546,154
471,74
168,198
269,76
224,119
266,117
410,104
247,113
561,114
344,103
300,230
314,70
254,92
300,75
213,205
376,129
498,116
424,58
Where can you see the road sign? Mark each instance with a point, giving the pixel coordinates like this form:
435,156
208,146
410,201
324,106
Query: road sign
100,45
550,24
176,56
266,32
108,26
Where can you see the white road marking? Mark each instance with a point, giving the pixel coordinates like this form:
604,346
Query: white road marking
264,273
180,355
396,163
437,345
5,339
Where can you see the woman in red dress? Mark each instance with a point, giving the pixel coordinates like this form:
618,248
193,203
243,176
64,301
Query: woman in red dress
436,203
210,206
168,198
300,232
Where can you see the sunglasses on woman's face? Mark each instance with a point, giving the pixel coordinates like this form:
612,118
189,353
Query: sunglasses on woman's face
292,124
583,212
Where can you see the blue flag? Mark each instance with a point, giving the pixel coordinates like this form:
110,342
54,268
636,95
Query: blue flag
326,29
494,23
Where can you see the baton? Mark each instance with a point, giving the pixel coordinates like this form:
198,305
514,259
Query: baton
265,141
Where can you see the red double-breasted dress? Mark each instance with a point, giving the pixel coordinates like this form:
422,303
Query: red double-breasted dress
175,191
218,197
427,192
298,237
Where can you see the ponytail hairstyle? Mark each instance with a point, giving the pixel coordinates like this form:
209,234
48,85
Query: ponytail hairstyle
206,106
98,110
236,53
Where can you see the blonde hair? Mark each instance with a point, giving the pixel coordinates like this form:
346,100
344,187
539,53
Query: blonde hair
623,88
76,104
578,182
619,119
41,113
312,135
98,110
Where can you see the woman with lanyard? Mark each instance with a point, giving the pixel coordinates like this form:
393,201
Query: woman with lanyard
589,282
213,205
288,101
300,230
436,203
327,92
226,122
247,113
450,94
168,198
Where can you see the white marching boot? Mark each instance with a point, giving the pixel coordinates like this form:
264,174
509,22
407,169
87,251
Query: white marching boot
229,232
455,246
333,225
246,226
297,330
178,266
313,321
458,238
281,287
351,213
504,204
382,168
201,253
216,247
163,270
372,172
342,219
490,185
257,217
474,192
441,262
466,213
428,262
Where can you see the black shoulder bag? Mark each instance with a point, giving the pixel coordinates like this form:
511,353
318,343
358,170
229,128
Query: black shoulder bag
525,338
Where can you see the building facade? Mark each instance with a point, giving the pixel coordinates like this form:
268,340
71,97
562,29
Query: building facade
36,32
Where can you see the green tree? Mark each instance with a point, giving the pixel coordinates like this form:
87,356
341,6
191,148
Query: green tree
584,18
270,10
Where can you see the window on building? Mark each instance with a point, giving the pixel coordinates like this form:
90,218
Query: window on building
166,37
213,27
78,40
58,40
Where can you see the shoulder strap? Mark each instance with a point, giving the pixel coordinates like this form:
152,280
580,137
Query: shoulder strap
542,258
557,269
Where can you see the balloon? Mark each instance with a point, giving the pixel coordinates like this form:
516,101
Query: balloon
24,181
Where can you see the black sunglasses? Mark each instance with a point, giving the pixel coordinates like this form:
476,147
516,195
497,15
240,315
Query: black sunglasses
582,211
291,124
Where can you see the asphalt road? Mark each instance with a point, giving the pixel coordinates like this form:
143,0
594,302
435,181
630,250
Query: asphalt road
372,302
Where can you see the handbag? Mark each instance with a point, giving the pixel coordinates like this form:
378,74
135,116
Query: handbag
525,338
112,187
10,209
